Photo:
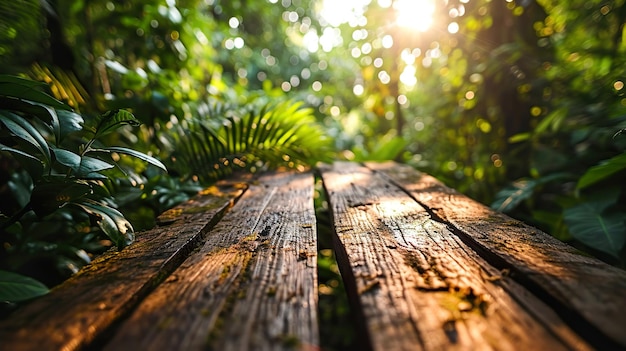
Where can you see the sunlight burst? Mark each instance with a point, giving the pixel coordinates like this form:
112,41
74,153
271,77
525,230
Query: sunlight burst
415,14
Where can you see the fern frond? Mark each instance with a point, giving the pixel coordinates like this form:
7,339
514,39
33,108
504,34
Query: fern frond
222,138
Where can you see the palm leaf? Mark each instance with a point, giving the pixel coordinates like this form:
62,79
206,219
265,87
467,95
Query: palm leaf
249,137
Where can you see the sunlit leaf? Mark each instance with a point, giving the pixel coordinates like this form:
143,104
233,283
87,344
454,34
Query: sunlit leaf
111,222
28,90
140,155
602,171
386,150
4,78
517,138
511,196
116,66
112,120
16,287
268,136
552,122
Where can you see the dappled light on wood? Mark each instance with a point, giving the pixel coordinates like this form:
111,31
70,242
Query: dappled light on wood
430,269
258,264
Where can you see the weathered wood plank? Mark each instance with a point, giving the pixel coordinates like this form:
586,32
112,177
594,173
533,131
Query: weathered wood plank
587,293
252,286
86,305
419,286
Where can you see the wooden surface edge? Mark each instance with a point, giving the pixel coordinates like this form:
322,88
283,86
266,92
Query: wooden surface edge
82,310
424,271
584,291
251,286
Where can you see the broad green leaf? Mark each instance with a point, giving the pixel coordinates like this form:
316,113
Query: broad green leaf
593,225
30,108
28,91
90,165
140,155
16,287
22,129
111,222
114,119
70,122
83,166
67,158
602,171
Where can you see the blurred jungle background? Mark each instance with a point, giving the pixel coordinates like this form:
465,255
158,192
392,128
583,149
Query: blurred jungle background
519,104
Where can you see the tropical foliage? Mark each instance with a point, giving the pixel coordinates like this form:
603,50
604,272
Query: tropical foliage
519,104
61,175
167,91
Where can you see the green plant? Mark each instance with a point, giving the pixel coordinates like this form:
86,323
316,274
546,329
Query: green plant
66,172
253,137
576,189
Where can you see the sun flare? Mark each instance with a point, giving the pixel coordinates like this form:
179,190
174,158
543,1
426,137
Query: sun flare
414,14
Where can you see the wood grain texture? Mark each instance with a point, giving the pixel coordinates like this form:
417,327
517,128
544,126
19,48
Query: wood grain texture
418,286
252,286
86,305
585,292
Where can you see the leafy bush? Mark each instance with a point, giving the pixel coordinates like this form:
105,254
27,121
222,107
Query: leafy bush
62,182
575,189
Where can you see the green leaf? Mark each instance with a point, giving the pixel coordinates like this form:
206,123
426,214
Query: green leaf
114,119
67,158
552,121
140,155
30,108
27,90
22,129
602,171
70,122
90,165
510,197
517,138
111,222
593,225
386,150
16,287
83,166
4,78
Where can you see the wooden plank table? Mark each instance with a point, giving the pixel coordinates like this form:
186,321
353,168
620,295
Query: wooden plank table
425,268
